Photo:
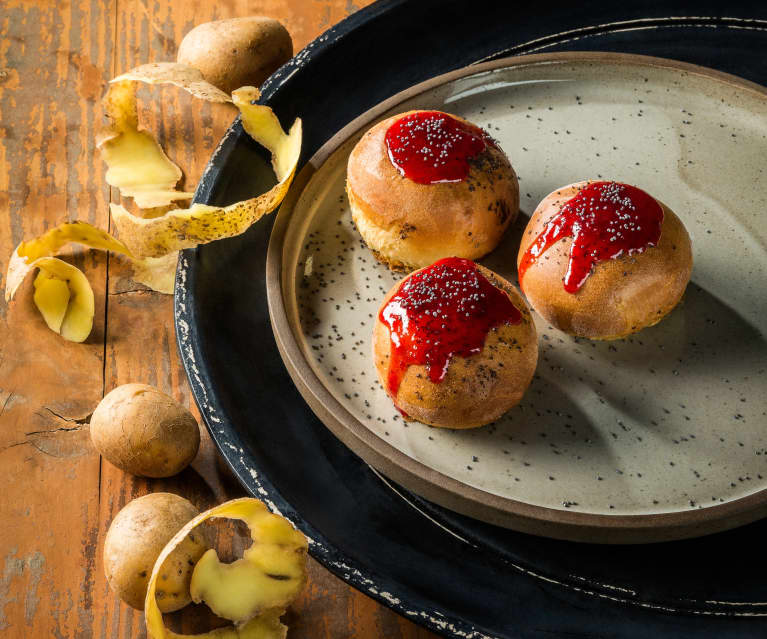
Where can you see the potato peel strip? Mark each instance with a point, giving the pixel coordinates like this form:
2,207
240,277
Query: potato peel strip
261,124
23,260
137,164
52,297
177,74
184,228
73,312
269,576
66,314
158,273
266,529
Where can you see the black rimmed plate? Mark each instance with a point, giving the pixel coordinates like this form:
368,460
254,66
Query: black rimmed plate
451,573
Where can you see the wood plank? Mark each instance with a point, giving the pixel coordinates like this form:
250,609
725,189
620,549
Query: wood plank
53,582
53,61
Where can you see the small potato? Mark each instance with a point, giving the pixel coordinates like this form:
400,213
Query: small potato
236,52
135,539
144,432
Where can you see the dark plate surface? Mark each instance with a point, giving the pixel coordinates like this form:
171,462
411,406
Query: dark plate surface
451,573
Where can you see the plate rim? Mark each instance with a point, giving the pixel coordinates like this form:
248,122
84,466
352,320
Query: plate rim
428,482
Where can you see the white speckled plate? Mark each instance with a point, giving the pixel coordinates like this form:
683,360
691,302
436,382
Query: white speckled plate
658,436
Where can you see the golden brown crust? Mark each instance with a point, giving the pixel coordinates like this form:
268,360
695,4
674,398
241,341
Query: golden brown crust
476,390
413,224
620,296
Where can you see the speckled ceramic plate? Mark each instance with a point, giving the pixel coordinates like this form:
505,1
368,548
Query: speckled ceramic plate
658,436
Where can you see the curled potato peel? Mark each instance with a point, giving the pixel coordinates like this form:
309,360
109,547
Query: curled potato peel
63,294
184,228
24,258
158,273
67,312
252,591
266,626
52,299
262,125
181,75
270,574
139,167
137,164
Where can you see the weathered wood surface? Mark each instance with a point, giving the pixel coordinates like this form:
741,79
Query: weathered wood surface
58,496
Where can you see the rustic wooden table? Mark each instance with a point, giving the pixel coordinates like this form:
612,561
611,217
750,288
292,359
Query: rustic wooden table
58,495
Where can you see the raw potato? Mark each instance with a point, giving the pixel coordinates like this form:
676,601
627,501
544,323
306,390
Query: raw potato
144,432
236,52
135,539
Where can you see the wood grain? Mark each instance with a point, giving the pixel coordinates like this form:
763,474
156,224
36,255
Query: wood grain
59,496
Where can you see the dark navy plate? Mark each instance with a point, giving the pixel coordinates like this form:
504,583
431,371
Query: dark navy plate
450,573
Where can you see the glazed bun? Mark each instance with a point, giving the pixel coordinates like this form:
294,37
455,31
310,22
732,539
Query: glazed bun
409,224
467,350
611,297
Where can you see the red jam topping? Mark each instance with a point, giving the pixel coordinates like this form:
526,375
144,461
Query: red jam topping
429,147
606,220
443,310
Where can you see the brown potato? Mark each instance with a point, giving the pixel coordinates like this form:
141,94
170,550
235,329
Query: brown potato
144,432
135,539
236,52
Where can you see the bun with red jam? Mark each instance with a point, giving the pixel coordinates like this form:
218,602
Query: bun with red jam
454,345
603,260
424,185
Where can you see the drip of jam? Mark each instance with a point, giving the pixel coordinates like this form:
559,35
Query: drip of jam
429,147
443,310
606,220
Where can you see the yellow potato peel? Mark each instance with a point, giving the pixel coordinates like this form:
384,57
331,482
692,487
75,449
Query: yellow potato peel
52,299
62,292
266,626
137,164
269,575
158,273
69,314
261,123
175,73
275,537
24,258
139,167
184,228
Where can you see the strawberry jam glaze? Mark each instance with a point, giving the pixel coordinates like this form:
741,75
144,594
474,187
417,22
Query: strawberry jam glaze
429,147
606,220
443,310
